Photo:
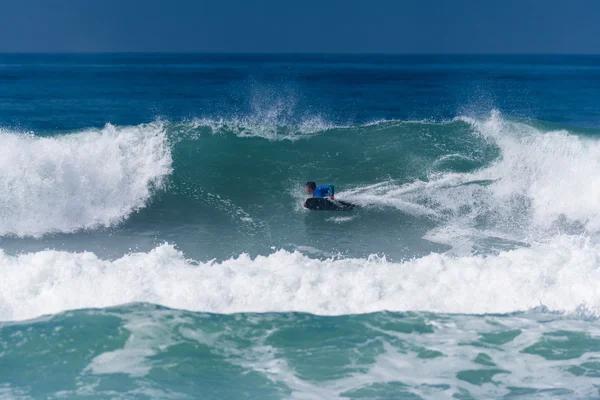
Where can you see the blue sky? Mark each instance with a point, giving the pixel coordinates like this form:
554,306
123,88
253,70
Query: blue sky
309,26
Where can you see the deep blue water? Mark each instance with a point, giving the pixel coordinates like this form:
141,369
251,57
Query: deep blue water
153,242
80,91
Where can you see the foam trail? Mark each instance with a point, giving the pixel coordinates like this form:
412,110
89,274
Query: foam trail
542,183
561,274
88,179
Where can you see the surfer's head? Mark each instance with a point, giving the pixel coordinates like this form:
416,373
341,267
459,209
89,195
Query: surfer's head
310,187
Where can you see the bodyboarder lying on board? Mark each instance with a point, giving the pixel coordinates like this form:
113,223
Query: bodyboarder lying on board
321,191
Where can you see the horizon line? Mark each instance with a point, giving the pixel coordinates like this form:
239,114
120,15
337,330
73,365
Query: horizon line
286,53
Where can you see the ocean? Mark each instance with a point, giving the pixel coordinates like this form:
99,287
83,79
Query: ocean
153,243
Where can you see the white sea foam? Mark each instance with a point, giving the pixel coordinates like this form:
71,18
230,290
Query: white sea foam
439,377
562,274
385,361
557,172
341,220
89,179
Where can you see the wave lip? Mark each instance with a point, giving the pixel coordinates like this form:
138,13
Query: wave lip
561,275
83,180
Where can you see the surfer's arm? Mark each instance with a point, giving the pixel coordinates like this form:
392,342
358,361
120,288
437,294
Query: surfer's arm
331,192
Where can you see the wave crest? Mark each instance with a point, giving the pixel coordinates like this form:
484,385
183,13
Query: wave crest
561,275
78,181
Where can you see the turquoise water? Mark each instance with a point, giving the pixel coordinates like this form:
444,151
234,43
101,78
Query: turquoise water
153,242
152,352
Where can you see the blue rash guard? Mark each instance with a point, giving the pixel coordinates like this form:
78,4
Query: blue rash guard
324,191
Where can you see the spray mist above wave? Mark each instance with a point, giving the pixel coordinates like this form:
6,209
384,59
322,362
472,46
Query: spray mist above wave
273,113
270,130
561,275
83,180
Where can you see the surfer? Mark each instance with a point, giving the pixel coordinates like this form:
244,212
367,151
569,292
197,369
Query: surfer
323,199
321,191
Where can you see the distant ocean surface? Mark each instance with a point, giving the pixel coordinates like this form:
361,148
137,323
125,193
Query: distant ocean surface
153,242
